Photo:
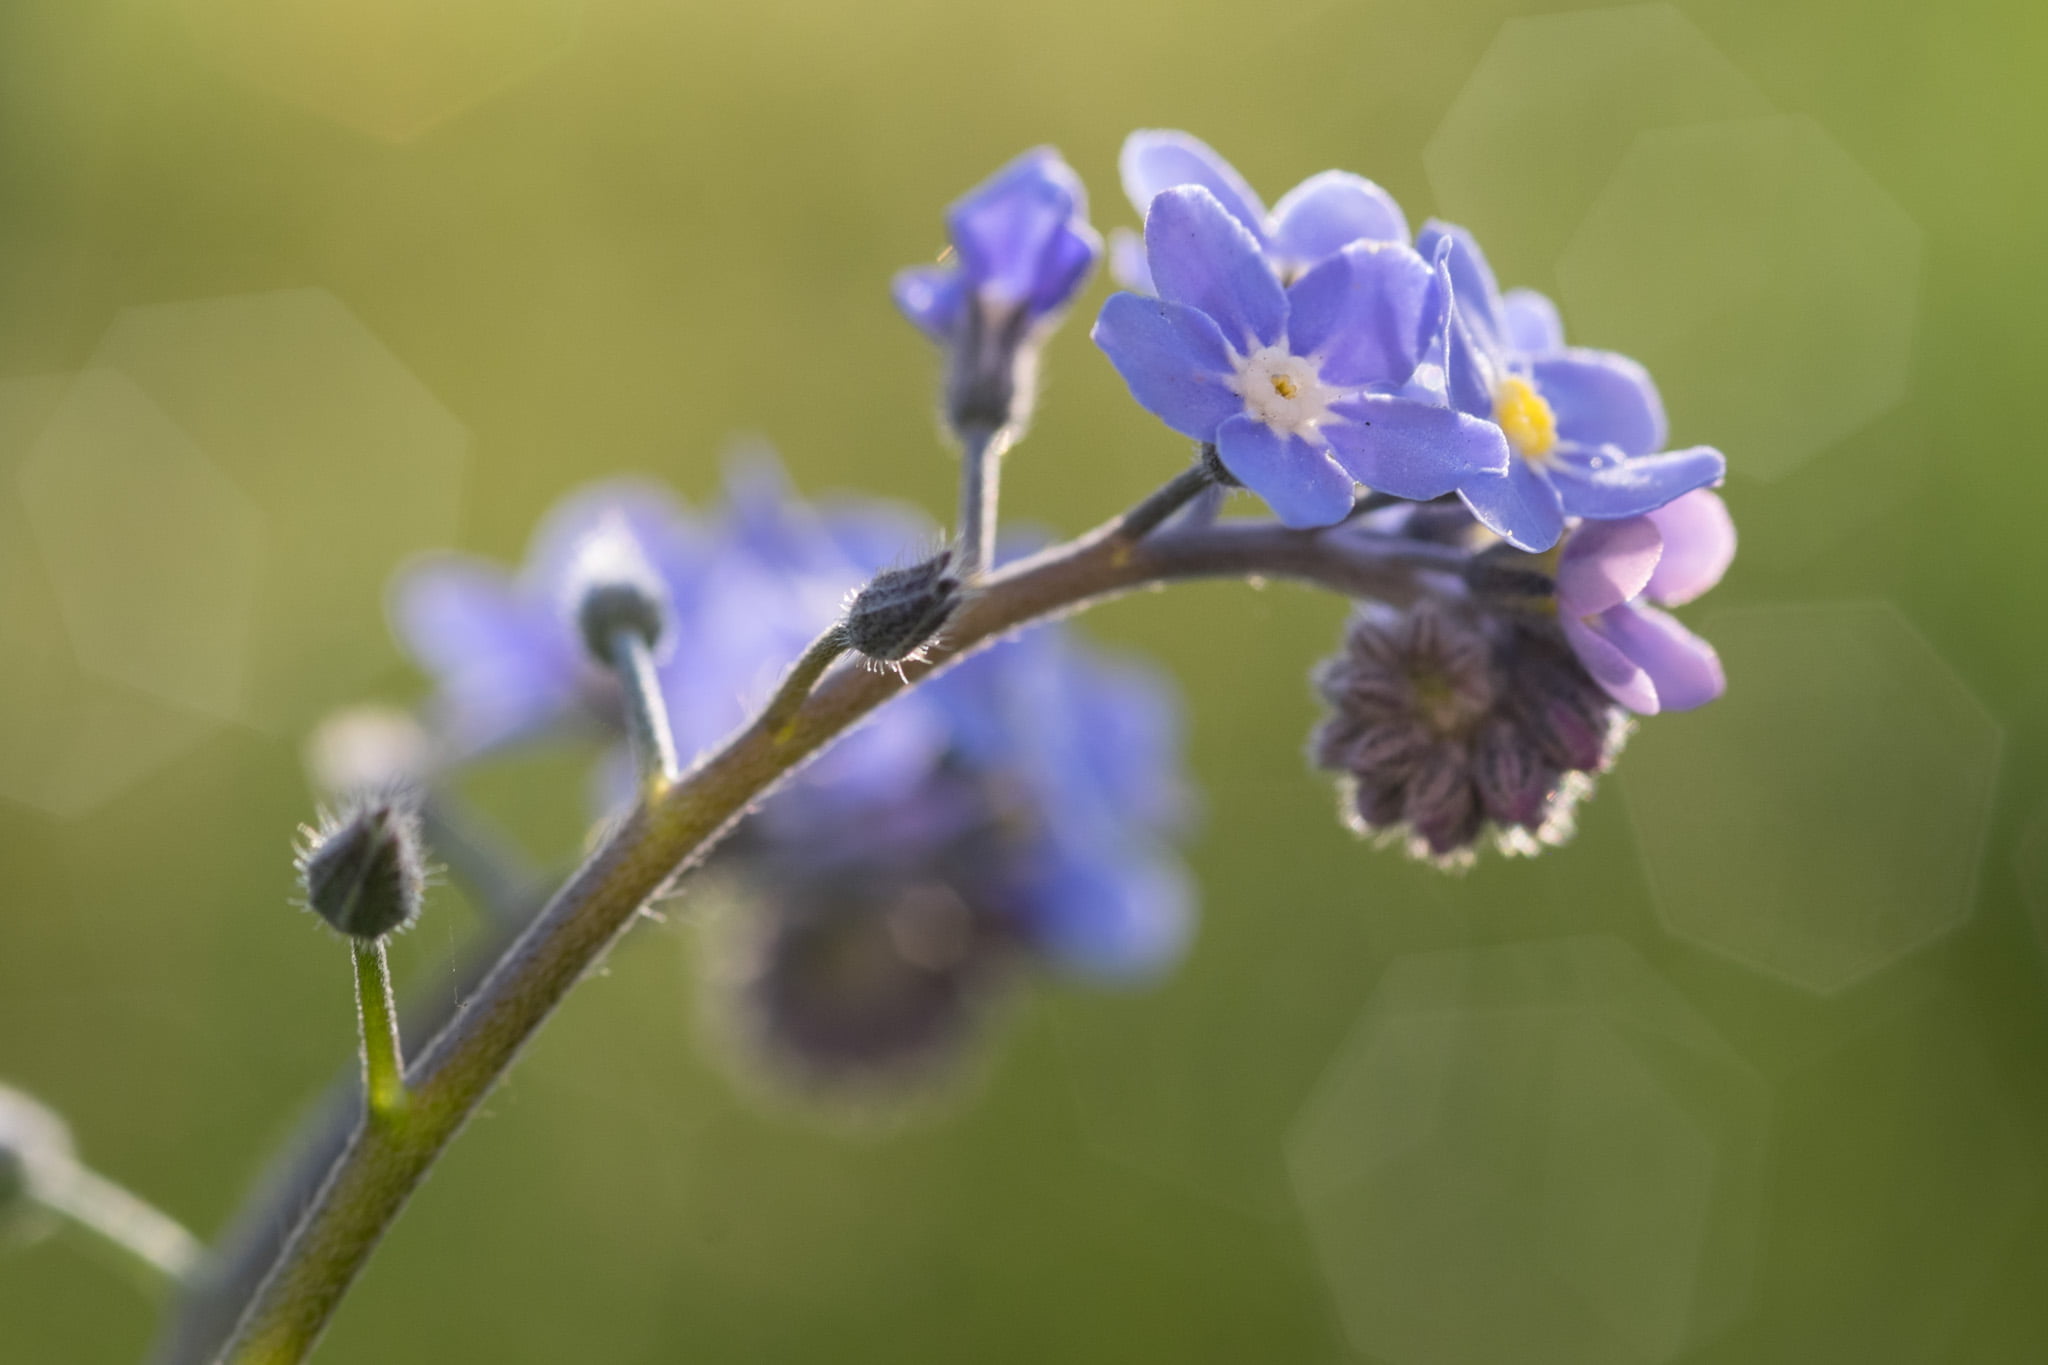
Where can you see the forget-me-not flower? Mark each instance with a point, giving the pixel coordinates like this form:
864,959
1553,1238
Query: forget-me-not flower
1303,390
1317,218
1586,427
1607,575
1021,250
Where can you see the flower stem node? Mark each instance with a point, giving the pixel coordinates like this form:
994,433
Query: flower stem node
364,873
901,611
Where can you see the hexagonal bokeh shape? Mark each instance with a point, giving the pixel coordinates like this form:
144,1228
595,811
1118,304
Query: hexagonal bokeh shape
1761,274
1827,816
389,68
1551,110
69,740
353,462
1529,1154
154,554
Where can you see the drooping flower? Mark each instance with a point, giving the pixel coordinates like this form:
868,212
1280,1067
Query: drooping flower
1452,722
1586,427
1608,574
1021,250
1316,219
1306,390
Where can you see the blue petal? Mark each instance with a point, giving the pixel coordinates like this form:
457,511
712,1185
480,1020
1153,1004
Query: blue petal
1176,363
1155,160
1414,450
1004,227
505,662
1478,295
931,296
1683,668
1127,261
1328,212
1204,258
1360,314
1469,374
1607,563
1699,544
1517,506
1602,399
1529,322
1111,911
1069,258
1601,485
1609,665
1297,480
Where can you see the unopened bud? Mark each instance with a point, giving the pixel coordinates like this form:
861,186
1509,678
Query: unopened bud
898,614
364,874
35,1157
613,588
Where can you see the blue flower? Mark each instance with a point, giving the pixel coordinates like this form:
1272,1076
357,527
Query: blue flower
1317,218
1585,426
1303,390
1021,246
1038,781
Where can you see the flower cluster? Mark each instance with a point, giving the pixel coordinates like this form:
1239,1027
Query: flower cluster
1015,809
1321,357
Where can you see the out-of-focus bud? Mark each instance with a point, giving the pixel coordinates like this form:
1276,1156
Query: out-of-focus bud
864,990
365,750
35,1157
364,873
900,612
612,588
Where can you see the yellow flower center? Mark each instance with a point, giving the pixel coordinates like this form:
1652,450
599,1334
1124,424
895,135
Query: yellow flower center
1526,420
1284,386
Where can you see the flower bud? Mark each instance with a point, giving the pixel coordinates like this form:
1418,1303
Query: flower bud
895,616
1454,719
613,588
364,874
35,1157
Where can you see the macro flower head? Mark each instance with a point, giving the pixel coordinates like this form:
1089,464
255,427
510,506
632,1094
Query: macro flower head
1021,249
1304,390
1317,218
1586,428
1608,575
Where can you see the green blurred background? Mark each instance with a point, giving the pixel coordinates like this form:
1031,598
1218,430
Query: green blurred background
1754,1071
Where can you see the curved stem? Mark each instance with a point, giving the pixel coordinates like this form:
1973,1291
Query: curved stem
653,742
668,832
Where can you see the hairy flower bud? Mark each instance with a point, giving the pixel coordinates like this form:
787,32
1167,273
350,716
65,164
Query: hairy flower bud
35,1156
897,614
612,588
1453,720
364,873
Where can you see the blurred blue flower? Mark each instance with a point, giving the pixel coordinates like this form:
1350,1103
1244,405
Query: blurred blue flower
1609,572
1021,245
1585,426
1017,808
1303,390
1317,218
